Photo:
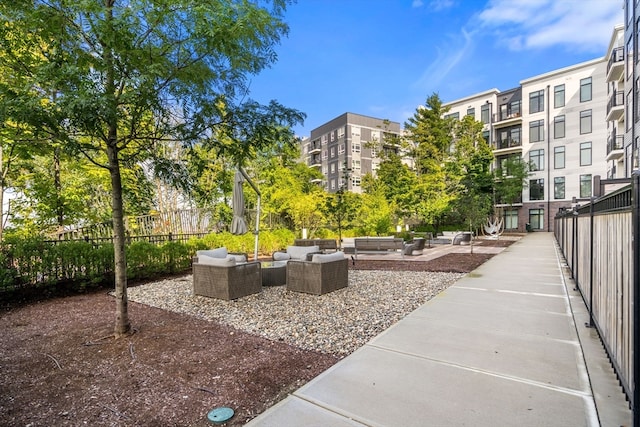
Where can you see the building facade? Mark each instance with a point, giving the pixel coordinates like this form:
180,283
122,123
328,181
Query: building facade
631,88
346,148
557,123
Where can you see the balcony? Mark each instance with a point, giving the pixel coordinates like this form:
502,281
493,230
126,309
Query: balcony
615,106
506,119
315,161
615,66
615,146
314,147
507,145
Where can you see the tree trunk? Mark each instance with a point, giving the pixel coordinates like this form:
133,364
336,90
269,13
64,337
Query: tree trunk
123,326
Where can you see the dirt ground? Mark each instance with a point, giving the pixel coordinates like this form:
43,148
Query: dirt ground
60,367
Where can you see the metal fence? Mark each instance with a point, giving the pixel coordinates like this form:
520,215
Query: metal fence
600,244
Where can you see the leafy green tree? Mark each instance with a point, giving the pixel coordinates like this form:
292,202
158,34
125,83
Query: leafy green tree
129,76
510,178
375,214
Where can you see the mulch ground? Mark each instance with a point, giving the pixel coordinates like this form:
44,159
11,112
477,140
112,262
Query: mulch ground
59,365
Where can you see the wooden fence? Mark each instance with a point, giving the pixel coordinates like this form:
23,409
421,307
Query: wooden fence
600,244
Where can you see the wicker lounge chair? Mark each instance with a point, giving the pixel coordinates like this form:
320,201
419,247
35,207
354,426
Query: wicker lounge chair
415,247
323,274
222,277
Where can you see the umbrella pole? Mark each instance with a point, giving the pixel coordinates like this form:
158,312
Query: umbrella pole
255,249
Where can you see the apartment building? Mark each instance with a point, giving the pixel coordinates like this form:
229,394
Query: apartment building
556,122
628,88
346,148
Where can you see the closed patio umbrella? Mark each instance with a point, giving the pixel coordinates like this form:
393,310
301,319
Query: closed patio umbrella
238,225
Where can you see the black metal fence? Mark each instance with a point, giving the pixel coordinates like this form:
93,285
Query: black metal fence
600,244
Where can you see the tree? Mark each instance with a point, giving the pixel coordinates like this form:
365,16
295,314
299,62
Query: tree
510,178
129,76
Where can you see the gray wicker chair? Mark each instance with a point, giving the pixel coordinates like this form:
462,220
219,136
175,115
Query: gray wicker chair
227,283
317,277
415,247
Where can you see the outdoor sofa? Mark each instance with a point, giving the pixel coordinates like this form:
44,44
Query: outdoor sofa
218,274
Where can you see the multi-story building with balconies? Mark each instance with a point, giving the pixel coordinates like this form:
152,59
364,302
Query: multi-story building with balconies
346,148
627,62
557,123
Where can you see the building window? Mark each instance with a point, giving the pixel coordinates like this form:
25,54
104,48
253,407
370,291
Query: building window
355,181
585,89
333,136
536,101
536,219
324,154
629,57
558,187
536,189
536,160
333,152
511,219
455,115
585,186
355,164
558,96
585,154
375,135
355,147
374,151
340,132
333,184
558,127
628,110
485,113
324,139
341,149
558,157
333,168
585,122
536,131
485,136
355,131
471,112
325,169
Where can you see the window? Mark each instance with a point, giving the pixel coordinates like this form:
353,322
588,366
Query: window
558,127
333,136
558,157
374,151
355,131
340,132
341,149
355,147
355,164
355,181
536,131
471,112
333,184
536,160
536,219
585,154
558,187
324,139
585,122
536,189
324,154
585,89
536,101
325,169
558,96
375,135
485,136
585,186
629,57
485,112
455,115
333,152
511,219
333,168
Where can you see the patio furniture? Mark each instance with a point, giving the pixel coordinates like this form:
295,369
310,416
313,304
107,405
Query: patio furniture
274,273
414,247
297,253
324,244
222,276
378,245
323,274
463,238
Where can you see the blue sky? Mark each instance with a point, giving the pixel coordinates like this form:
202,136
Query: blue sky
383,58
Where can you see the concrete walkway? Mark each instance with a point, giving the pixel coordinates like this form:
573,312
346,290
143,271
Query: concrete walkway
504,346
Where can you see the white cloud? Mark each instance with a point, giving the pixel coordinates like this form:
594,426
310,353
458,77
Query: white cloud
530,24
438,5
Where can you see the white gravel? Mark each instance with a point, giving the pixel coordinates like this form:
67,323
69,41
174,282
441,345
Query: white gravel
338,322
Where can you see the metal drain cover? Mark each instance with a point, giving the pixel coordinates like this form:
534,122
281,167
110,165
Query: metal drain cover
220,415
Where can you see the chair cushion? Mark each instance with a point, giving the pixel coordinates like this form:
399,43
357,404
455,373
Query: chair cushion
240,259
213,253
228,261
281,256
327,257
300,252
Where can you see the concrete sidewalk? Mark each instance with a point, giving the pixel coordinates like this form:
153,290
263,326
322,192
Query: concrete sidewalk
504,346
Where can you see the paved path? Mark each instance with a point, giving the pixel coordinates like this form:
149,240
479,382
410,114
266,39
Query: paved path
504,346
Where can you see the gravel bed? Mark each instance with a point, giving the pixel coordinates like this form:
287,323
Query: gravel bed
336,323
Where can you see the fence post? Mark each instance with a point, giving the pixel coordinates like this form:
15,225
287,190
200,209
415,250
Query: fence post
590,324
635,215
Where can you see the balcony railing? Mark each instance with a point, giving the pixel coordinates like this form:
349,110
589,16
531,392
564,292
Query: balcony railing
507,116
507,143
616,100
615,142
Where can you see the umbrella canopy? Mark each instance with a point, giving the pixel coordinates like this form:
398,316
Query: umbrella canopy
238,225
